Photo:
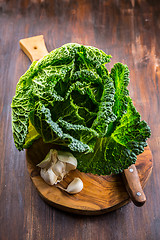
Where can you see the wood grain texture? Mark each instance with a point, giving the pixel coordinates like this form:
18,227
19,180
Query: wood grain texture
99,195
130,32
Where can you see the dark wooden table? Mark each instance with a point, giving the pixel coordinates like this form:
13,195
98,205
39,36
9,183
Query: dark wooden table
130,32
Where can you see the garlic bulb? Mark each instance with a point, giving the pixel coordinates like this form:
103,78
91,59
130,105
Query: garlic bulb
56,165
74,187
49,176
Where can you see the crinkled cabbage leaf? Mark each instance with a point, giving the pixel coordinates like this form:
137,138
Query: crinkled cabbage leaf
70,99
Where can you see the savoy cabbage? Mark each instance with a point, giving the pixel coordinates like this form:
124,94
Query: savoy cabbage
70,99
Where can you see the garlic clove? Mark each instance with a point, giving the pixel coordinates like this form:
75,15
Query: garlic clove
74,187
49,160
59,168
48,176
67,157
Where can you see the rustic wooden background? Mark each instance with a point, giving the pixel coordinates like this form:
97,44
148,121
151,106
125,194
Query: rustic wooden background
129,30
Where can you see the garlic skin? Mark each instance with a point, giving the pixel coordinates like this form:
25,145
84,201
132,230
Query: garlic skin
48,176
69,167
49,160
45,162
69,159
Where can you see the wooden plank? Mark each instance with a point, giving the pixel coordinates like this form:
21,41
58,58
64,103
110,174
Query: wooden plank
130,32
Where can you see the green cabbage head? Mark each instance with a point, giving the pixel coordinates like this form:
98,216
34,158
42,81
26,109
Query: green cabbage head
70,99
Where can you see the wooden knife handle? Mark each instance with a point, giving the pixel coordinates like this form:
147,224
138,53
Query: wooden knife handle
133,186
34,47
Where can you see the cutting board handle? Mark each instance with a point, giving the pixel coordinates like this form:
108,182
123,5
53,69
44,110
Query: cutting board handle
133,186
34,47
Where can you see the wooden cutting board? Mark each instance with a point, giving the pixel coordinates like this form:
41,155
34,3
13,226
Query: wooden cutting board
100,194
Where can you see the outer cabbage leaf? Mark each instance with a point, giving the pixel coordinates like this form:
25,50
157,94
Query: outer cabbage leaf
31,136
21,107
115,153
120,75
